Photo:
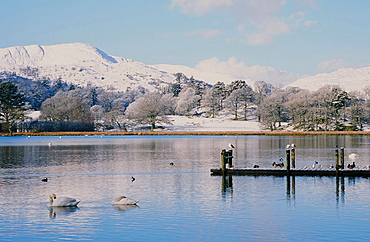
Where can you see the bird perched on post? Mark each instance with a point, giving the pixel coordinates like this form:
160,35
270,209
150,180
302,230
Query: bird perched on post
231,146
288,146
293,145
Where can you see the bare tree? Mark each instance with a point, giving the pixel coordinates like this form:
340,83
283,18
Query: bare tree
65,106
187,101
148,109
273,110
262,90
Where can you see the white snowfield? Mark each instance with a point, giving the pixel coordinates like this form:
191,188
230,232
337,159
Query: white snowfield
183,123
83,64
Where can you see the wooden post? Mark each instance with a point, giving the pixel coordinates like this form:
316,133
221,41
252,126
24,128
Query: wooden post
337,160
342,157
288,161
223,161
293,157
230,158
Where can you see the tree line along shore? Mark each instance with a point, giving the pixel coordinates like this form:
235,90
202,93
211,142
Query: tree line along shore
65,107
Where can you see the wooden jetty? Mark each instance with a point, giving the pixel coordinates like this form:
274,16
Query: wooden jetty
292,172
289,170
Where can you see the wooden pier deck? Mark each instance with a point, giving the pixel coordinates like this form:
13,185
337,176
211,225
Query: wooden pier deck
291,172
289,169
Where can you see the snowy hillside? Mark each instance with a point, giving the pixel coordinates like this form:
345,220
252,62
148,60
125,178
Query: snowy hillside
82,64
349,79
209,77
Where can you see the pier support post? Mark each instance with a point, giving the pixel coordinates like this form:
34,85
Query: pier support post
337,160
223,161
230,158
287,151
342,157
293,157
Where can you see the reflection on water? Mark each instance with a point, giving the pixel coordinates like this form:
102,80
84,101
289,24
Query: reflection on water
54,211
178,202
122,207
227,186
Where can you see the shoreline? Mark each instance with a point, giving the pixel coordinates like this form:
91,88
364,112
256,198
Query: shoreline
194,133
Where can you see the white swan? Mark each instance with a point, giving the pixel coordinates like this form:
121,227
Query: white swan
62,201
122,200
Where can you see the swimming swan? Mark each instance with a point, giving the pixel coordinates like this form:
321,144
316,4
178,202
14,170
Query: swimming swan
62,201
122,200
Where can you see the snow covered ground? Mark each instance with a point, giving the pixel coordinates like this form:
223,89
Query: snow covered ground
182,123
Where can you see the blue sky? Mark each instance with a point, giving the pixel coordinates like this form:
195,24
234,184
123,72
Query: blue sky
302,37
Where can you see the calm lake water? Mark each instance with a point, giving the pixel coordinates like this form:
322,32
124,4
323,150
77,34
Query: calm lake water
182,202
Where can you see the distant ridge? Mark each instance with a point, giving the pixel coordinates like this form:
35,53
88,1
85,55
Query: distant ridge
349,79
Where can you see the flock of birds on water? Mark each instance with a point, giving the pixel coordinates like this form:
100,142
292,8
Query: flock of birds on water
123,200
72,202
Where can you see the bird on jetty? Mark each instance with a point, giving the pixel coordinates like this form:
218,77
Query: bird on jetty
353,156
274,164
315,165
44,179
351,166
62,201
331,166
122,200
171,164
231,146
256,166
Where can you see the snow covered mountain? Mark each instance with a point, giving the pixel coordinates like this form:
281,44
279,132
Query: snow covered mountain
349,79
82,64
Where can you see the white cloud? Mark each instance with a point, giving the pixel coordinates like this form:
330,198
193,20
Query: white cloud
241,70
307,4
205,33
199,7
331,65
309,23
260,21
266,35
